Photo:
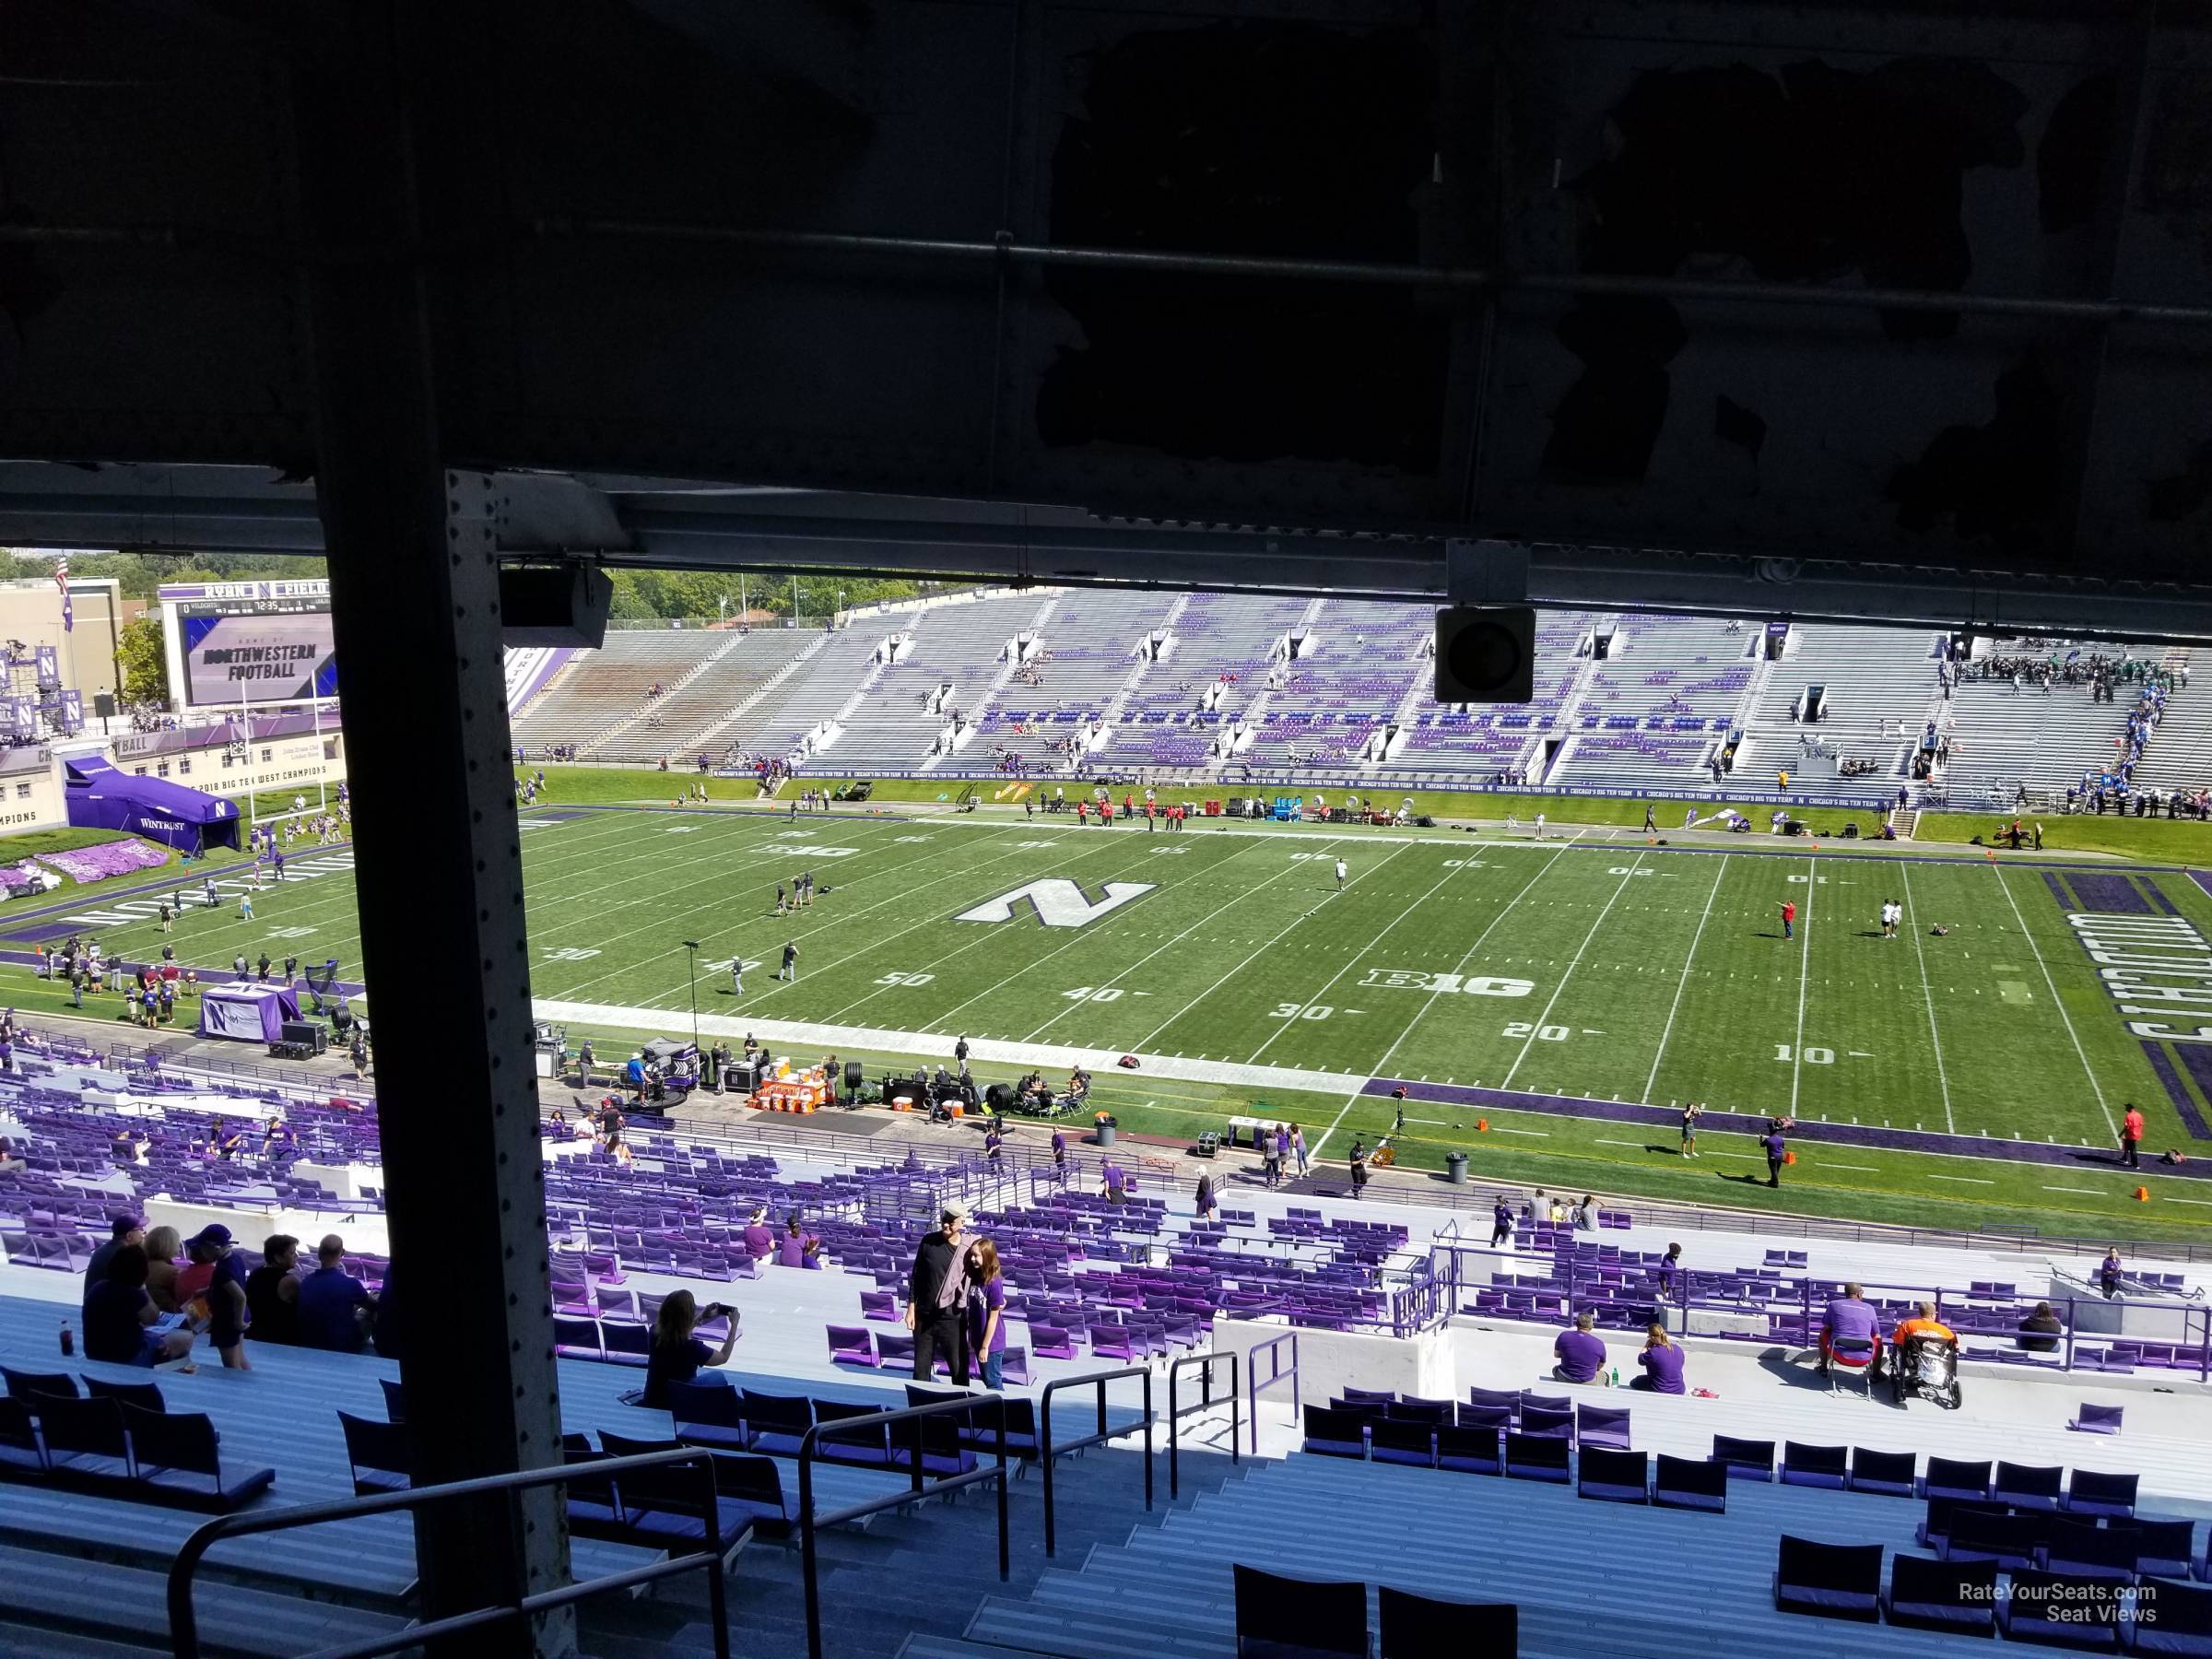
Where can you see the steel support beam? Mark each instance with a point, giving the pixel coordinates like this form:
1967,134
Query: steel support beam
412,548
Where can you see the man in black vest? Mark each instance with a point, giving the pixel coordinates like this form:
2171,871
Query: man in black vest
936,1292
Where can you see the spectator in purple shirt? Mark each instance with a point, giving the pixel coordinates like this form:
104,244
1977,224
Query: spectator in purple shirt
759,1238
1661,1362
1848,1316
1581,1355
987,1312
798,1246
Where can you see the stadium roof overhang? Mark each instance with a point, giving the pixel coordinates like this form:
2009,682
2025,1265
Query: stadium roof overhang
671,524
1885,309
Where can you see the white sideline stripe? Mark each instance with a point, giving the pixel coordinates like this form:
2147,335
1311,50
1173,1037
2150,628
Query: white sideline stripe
1559,991
1927,996
1682,983
808,1035
2052,985
1804,975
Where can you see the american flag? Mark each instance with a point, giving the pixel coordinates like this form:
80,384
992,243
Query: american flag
60,580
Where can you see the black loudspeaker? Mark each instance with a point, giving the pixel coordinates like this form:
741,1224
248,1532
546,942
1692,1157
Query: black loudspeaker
854,1074
1485,654
103,704
556,604
1000,1096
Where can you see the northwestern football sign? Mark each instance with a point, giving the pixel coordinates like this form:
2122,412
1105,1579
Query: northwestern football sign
254,659
1058,901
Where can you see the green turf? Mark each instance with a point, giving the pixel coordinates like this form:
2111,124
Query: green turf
1613,971
2167,839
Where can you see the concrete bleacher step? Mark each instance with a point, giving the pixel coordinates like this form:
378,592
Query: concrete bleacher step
1097,1498
127,1604
24,1641
1166,1591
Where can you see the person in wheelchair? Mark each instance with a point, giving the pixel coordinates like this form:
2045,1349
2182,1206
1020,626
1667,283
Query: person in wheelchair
1924,1360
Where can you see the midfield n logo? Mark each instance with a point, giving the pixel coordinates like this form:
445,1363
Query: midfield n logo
1059,902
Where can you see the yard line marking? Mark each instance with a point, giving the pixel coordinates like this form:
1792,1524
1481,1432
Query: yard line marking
1540,1134
1360,956
1170,945
1862,1168
2049,985
1683,984
986,935
1805,974
1561,990
1257,951
2088,1192
2199,1202
1927,997
1966,1180
1603,1142
1429,1001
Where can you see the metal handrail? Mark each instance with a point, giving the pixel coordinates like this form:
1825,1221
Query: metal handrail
1048,1453
809,1523
1204,1402
1255,1384
184,1621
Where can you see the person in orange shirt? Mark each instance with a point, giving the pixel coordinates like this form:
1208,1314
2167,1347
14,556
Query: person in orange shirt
1922,1324
2131,1137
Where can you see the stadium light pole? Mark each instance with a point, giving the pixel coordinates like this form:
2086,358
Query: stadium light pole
692,945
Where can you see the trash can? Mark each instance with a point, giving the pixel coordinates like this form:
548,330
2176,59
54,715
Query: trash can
1455,1168
1105,1135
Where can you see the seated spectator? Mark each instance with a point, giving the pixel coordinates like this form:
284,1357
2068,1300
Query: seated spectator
1851,1317
1581,1355
1661,1362
118,1313
1585,1214
272,1292
797,1244
1922,1324
677,1355
335,1307
759,1238
163,1246
2040,1332
123,1233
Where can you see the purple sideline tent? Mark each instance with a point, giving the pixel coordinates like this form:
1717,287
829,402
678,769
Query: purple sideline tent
101,797
249,1013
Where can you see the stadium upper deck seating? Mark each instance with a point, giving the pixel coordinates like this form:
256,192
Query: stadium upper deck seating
600,688
1650,715
959,645
682,723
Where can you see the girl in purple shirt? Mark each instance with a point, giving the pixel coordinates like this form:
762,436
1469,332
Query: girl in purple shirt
1661,1362
990,1323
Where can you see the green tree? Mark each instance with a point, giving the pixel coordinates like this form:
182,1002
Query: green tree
144,669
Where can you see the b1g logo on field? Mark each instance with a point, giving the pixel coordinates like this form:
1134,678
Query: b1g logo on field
1058,901
1408,979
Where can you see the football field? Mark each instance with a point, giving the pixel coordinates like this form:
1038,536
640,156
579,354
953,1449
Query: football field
1592,966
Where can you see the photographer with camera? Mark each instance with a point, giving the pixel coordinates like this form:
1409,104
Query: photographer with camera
677,1355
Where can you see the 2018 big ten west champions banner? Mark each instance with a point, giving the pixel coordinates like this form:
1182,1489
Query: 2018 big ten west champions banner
250,642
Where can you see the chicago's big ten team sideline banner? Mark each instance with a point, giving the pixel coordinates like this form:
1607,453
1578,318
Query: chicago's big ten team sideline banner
257,659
